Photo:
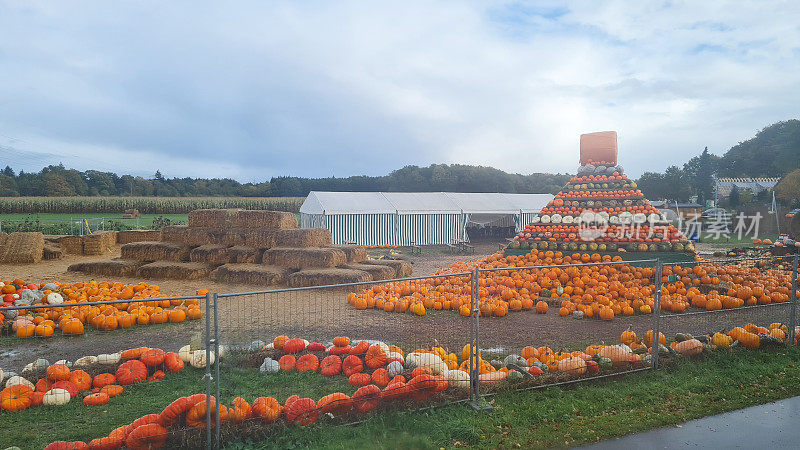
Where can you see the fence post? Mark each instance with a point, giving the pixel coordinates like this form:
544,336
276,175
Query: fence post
473,339
793,300
216,367
656,314
207,375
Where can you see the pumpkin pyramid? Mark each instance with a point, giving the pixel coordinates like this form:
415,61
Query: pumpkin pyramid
601,210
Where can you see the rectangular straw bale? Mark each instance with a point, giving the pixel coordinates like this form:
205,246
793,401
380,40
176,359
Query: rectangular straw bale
52,251
22,248
355,253
212,254
204,235
301,258
99,242
260,238
72,244
323,277
112,268
3,238
126,237
174,270
219,219
51,238
303,237
269,220
250,274
155,251
378,272
401,268
243,254
175,233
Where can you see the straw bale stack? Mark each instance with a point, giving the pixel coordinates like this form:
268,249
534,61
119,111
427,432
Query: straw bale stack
378,272
301,258
324,277
303,238
174,270
22,248
112,268
249,274
204,235
99,242
155,251
244,254
355,253
126,237
175,233
53,251
401,268
268,220
219,219
72,244
212,254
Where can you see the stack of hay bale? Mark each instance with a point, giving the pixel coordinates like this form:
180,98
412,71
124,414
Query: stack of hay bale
97,243
252,247
21,248
126,237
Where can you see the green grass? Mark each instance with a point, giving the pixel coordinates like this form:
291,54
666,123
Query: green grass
579,414
144,221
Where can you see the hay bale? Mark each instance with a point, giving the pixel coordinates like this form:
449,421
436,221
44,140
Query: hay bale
243,254
99,242
3,238
401,268
378,272
260,238
72,244
53,251
204,235
22,248
355,253
249,274
323,277
112,268
175,233
126,237
234,236
303,237
269,220
212,254
219,219
301,258
174,270
155,251
51,238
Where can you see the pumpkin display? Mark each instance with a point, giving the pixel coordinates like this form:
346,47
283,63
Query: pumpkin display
172,413
302,411
267,409
103,379
173,362
199,361
130,372
241,410
366,398
375,357
196,416
616,353
572,366
689,347
294,346
56,397
81,380
336,403
352,364
16,397
287,362
307,362
330,366
152,357
148,436
100,398
111,390
58,372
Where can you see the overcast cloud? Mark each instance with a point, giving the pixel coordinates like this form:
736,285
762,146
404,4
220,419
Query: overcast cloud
251,90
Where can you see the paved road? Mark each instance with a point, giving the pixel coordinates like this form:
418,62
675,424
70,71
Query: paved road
774,425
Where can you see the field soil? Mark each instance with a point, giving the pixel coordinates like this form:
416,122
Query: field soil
321,314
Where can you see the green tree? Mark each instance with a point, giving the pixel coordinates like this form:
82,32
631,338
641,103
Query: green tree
733,199
9,172
703,181
57,186
788,189
8,186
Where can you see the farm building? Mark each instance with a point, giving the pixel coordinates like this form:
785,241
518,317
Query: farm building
421,218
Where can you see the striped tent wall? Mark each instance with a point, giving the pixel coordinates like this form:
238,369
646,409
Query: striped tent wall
363,229
522,219
430,229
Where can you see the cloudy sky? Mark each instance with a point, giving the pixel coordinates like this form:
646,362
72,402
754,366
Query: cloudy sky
251,90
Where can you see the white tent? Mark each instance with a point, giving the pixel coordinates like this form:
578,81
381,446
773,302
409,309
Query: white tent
422,218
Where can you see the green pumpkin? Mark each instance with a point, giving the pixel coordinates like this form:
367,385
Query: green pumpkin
514,376
604,363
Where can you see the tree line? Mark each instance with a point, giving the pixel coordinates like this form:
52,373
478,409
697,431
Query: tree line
58,181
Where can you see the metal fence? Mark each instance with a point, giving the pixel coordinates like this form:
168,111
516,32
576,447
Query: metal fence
478,330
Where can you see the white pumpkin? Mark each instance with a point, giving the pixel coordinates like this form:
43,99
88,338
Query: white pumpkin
186,353
391,355
64,362
616,353
54,298
458,379
270,346
28,368
199,359
16,379
108,359
1,375
85,361
223,351
56,397
434,362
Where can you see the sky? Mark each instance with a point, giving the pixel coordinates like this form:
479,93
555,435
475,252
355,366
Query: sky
252,89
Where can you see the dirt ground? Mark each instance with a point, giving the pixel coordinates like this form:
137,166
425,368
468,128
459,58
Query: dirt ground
321,314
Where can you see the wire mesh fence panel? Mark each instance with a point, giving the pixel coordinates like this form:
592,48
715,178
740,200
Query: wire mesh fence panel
718,304
87,368
343,350
544,325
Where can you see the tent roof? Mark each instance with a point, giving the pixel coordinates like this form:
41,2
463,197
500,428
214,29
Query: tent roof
422,203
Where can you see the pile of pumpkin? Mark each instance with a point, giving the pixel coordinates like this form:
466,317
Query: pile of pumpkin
67,313
579,290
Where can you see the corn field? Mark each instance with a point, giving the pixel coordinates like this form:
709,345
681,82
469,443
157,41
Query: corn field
145,205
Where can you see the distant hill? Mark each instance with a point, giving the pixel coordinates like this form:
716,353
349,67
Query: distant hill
773,152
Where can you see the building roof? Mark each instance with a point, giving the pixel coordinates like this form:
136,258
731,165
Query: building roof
319,202
749,183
